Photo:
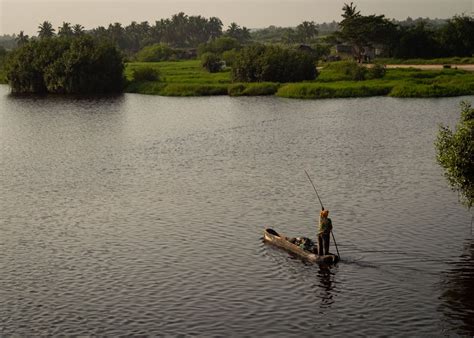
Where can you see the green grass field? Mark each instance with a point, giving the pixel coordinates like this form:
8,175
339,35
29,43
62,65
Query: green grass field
188,78
189,71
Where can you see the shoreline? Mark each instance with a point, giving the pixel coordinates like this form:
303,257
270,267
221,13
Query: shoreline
187,79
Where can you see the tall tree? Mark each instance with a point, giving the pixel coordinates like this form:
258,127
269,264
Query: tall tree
179,26
457,36
365,31
350,11
65,30
45,30
306,31
214,27
117,35
417,41
133,33
241,34
78,29
21,39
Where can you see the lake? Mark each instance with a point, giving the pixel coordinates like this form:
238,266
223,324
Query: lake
144,215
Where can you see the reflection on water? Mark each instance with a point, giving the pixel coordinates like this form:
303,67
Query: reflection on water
458,293
326,277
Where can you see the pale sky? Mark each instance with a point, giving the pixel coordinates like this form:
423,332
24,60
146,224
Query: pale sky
26,15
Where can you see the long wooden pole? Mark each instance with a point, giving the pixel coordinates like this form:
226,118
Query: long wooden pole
314,189
335,244
334,239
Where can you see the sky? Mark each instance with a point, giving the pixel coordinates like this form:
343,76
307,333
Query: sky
26,15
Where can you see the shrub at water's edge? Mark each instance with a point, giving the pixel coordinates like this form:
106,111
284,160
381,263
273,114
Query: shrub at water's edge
326,91
182,89
455,153
79,65
253,89
144,74
412,89
177,89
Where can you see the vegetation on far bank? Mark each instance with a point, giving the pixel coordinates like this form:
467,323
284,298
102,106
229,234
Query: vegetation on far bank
193,55
188,78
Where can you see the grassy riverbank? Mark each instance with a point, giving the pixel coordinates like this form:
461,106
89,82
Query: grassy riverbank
438,61
187,78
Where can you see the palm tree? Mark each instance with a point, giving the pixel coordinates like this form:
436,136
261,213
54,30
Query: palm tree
21,39
244,34
117,34
65,30
78,29
214,27
100,31
350,11
233,30
306,30
45,30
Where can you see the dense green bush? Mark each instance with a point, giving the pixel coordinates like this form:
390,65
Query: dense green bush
211,62
353,70
260,63
66,65
219,45
155,53
350,70
146,74
455,153
229,57
377,71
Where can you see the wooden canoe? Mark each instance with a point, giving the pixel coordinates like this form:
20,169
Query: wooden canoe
281,241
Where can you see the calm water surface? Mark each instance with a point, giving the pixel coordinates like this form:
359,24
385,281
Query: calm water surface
144,215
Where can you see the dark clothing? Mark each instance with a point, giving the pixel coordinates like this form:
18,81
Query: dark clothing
323,243
325,227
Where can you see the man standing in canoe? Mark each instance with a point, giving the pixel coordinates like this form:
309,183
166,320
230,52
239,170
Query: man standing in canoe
325,228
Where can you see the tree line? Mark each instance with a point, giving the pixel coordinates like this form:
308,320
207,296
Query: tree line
179,31
419,38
